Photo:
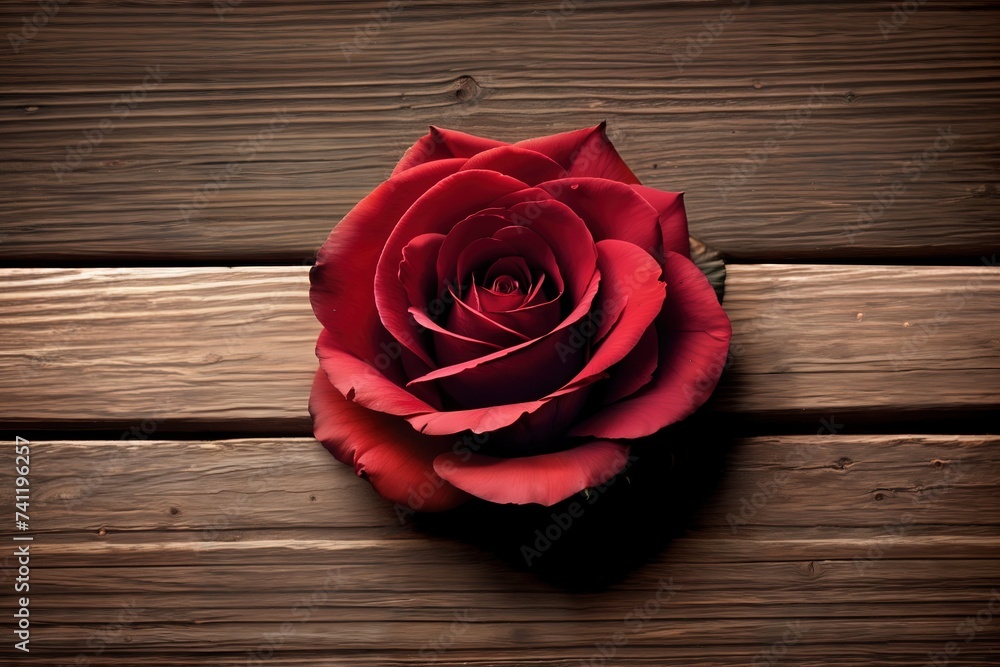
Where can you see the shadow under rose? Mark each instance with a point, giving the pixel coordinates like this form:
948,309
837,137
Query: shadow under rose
592,540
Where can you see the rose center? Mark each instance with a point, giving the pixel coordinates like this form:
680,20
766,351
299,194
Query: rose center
505,285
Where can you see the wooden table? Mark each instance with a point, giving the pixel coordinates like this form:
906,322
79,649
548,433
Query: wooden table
169,170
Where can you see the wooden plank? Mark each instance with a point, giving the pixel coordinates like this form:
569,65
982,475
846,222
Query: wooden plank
231,350
247,485
177,571
883,101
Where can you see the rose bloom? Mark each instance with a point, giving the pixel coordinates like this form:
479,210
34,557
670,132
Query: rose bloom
500,320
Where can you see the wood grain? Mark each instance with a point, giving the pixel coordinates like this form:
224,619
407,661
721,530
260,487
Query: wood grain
173,566
509,70
231,349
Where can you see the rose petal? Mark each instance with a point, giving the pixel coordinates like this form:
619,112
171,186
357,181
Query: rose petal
491,369
586,152
364,382
544,479
523,164
440,144
416,271
451,200
694,341
386,450
631,297
340,282
479,225
611,210
636,370
672,216
567,236
464,320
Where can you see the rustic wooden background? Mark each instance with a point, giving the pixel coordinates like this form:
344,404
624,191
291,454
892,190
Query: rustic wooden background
168,171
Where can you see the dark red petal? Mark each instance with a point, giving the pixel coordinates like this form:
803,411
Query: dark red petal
586,152
536,252
342,279
521,163
386,450
673,218
611,210
694,341
440,144
453,347
636,370
464,320
544,479
477,420
365,382
436,211
569,239
631,295
416,271
481,224
510,360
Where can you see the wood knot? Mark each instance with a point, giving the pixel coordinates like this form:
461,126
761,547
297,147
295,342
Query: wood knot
174,511
467,88
102,532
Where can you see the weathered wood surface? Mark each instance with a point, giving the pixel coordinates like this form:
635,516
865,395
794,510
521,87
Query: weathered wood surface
274,526
183,516
232,348
129,193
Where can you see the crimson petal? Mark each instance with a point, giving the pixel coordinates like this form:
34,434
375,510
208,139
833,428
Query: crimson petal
452,199
545,479
523,164
345,266
440,144
694,342
631,297
397,460
673,218
611,210
586,152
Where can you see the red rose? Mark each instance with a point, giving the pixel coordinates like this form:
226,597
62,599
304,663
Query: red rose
500,319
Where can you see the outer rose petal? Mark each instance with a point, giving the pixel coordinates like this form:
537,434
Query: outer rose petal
397,460
441,144
363,382
694,341
544,479
673,218
633,299
586,152
611,210
341,280
521,163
